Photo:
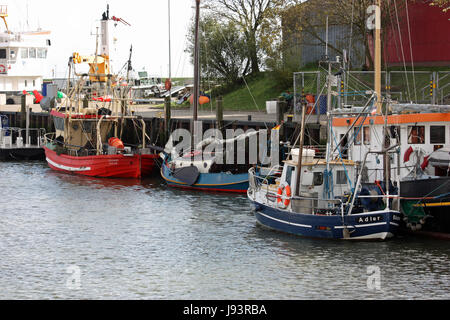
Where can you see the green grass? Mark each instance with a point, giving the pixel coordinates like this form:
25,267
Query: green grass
260,89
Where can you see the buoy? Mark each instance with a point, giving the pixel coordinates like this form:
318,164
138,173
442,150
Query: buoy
201,100
168,84
37,96
116,143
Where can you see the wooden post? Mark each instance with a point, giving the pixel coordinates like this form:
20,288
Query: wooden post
167,113
281,107
219,113
23,111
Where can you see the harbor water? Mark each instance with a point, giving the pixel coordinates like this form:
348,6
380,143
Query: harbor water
70,237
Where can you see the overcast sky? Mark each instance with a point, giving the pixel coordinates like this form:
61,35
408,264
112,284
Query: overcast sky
73,26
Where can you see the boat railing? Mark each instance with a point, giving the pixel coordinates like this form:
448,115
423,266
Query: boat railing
257,181
72,150
21,137
385,193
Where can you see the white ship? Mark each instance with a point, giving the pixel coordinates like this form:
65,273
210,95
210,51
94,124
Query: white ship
23,59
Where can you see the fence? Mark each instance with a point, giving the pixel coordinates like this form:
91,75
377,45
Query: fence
355,87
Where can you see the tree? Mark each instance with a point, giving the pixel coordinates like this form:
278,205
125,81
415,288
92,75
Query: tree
222,54
250,16
444,4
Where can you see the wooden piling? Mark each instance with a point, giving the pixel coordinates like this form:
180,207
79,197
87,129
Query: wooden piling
167,113
219,113
23,111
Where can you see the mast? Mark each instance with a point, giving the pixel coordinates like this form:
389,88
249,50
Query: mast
170,55
196,73
378,56
300,154
196,61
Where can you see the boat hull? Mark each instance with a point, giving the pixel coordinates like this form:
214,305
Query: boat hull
378,225
104,166
427,198
213,182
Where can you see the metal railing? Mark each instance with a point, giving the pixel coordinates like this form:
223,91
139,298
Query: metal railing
18,137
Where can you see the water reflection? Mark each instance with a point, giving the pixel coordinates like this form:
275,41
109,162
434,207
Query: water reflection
135,239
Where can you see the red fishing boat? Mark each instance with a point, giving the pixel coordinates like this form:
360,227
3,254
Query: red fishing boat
71,148
90,131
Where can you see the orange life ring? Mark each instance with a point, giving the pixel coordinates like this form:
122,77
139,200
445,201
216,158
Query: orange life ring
2,69
280,193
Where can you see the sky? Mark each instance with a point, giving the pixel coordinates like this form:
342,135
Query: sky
73,25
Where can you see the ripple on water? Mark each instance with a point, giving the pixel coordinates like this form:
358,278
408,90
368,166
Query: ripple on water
135,239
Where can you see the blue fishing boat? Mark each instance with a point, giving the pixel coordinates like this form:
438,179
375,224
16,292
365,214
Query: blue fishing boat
190,177
364,215
325,198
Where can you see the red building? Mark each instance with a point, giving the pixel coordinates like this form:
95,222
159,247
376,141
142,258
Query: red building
428,36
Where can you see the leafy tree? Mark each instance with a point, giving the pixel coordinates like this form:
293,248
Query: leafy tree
222,49
444,4
252,17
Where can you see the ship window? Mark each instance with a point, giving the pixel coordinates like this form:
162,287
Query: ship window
395,132
26,83
341,178
32,53
416,134
2,53
318,178
366,131
12,54
289,172
357,134
24,53
42,53
437,134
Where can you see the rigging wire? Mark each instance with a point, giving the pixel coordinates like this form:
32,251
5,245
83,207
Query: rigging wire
410,49
401,47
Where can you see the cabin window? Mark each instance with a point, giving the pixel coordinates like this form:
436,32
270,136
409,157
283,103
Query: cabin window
357,134
26,83
42,53
34,83
32,53
24,53
341,177
289,172
395,132
437,134
366,137
2,53
416,134
12,54
318,179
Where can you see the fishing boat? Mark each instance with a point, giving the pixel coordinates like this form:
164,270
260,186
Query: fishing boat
199,170
89,134
421,162
23,60
325,198
195,169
